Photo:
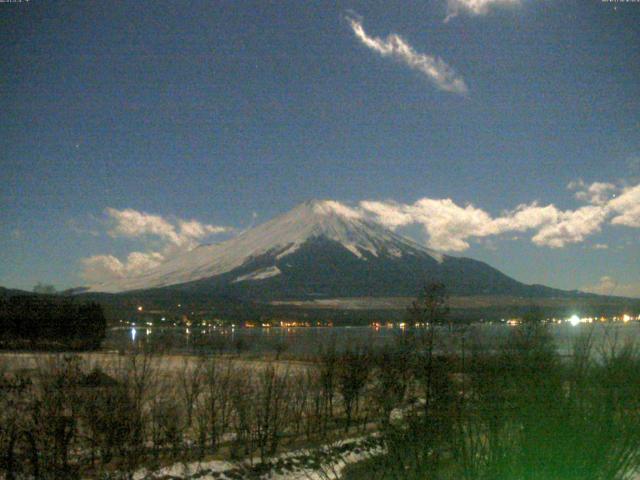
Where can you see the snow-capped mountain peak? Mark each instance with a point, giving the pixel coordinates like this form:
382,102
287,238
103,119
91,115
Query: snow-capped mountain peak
277,238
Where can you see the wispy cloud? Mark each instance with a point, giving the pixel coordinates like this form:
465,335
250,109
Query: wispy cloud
475,7
397,48
84,227
172,234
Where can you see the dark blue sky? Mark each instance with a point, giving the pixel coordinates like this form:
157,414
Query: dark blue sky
218,110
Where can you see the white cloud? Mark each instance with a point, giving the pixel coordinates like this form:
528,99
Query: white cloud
571,226
626,207
174,235
526,217
390,214
195,229
449,226
331,206
608,286
446,224
130,223
99,268
142,261
597,193
476,7
394,46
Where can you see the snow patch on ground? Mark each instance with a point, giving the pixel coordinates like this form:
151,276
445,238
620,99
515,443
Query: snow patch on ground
185,470
325,463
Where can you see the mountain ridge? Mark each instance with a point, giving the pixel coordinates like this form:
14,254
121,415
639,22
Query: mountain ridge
320,249
279,237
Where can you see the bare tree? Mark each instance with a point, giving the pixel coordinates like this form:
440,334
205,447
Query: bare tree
242,418
328,366
393,377
271,409
215,404
302,386
166,425
139,378
353,372
190,384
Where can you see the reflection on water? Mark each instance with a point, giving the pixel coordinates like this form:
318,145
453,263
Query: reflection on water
310,339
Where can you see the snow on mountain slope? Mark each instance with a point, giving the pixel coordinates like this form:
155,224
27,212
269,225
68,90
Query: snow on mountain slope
260,274
278,237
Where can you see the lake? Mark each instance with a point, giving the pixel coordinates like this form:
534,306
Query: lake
308,340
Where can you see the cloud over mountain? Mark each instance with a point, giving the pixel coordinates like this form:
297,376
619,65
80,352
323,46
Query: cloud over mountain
99,268
172,235
449,226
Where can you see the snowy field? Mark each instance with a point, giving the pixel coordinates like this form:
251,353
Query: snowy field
326,463
109,361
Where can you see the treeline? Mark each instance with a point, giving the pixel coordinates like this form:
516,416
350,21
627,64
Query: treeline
50,322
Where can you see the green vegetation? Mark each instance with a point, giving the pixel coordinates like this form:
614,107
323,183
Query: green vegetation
511,411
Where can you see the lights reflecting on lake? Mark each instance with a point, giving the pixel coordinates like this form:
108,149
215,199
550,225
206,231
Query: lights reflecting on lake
308,340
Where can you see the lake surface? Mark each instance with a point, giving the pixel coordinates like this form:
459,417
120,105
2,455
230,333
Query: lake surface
309,340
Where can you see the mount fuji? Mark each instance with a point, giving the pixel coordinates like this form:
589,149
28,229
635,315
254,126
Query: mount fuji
320,249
